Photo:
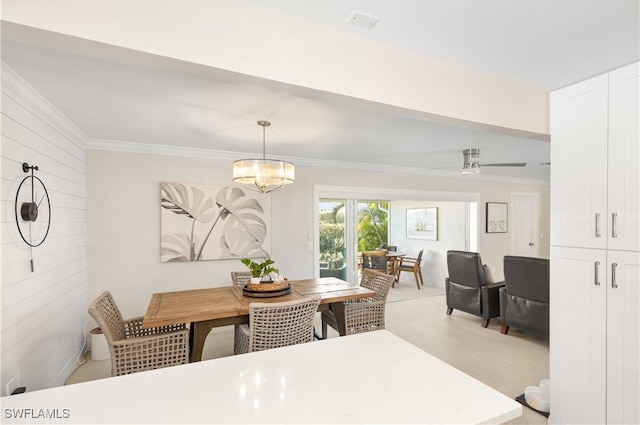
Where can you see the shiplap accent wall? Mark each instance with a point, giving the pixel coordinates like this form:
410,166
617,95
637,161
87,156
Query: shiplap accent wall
43,312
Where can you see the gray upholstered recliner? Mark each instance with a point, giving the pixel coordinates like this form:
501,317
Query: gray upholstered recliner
524,301
467,288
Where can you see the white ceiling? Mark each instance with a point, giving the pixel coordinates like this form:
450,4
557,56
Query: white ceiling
117,95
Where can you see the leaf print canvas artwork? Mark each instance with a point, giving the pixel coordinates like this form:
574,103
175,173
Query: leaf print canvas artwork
208,222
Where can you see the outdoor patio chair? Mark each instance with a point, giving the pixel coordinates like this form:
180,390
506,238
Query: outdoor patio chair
375,260
410,264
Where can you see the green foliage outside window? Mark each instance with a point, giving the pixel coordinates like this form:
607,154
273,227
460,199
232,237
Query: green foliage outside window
373,223
332,237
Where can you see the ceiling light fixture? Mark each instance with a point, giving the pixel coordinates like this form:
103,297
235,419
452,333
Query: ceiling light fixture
263,175
471,161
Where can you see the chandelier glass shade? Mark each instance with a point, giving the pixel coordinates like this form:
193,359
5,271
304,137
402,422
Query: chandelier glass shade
263,175
471,161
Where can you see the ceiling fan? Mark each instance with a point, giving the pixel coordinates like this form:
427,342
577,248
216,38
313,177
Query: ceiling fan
471,163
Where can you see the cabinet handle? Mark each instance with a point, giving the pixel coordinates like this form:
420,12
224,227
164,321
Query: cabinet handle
614,266
597,225
614,219
596,269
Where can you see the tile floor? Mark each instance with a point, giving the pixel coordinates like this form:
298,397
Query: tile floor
507,363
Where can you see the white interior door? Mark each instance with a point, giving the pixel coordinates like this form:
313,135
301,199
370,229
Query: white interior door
524,224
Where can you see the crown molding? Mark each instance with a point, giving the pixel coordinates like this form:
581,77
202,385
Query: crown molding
151,149
17,88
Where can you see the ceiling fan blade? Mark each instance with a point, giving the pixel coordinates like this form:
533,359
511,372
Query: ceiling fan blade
505,164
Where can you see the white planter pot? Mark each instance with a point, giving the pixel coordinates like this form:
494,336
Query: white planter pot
255,279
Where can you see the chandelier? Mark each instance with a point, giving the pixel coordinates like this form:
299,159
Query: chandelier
263,175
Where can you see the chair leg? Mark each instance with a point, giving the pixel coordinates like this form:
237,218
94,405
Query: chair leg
449,310
421,279
485,322
415,274
504,329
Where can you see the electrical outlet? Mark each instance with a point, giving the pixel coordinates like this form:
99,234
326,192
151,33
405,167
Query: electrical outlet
11,386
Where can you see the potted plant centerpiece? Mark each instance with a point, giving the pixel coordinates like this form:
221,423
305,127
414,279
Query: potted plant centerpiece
264,275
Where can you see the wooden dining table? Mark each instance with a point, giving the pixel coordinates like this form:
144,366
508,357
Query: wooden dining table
227,305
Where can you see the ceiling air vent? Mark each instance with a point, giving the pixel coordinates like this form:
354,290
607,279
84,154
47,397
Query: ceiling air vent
362,19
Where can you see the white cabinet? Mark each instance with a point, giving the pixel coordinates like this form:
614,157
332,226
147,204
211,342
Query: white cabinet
624,160
623,337
577,336
595,316
578,125
595,243
595,188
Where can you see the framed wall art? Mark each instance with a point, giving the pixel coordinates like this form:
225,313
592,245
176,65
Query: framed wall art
497,214
422,223
208,222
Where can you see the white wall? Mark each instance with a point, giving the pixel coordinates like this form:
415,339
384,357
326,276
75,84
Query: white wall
43,312
452,228
310,57
123,214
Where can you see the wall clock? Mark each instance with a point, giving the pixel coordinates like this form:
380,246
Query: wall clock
33,209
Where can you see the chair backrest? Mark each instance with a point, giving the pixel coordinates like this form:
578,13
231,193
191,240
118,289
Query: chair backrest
392,248
376,260
527,277
278,324
419,257
241,278
465,268
379,282
107,315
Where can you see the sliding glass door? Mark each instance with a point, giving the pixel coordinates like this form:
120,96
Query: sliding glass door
353,219
332,243
347,227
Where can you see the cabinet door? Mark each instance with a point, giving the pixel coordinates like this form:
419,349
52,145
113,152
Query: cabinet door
578,124
623,337
624,178
577,335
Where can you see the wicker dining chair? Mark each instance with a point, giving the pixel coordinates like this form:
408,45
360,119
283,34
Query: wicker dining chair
366,314
240,343
241,278
134,348
278,324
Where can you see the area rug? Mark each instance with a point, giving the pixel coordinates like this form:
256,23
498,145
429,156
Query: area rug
520,399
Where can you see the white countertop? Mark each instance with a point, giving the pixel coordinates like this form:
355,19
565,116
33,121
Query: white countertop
373,377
